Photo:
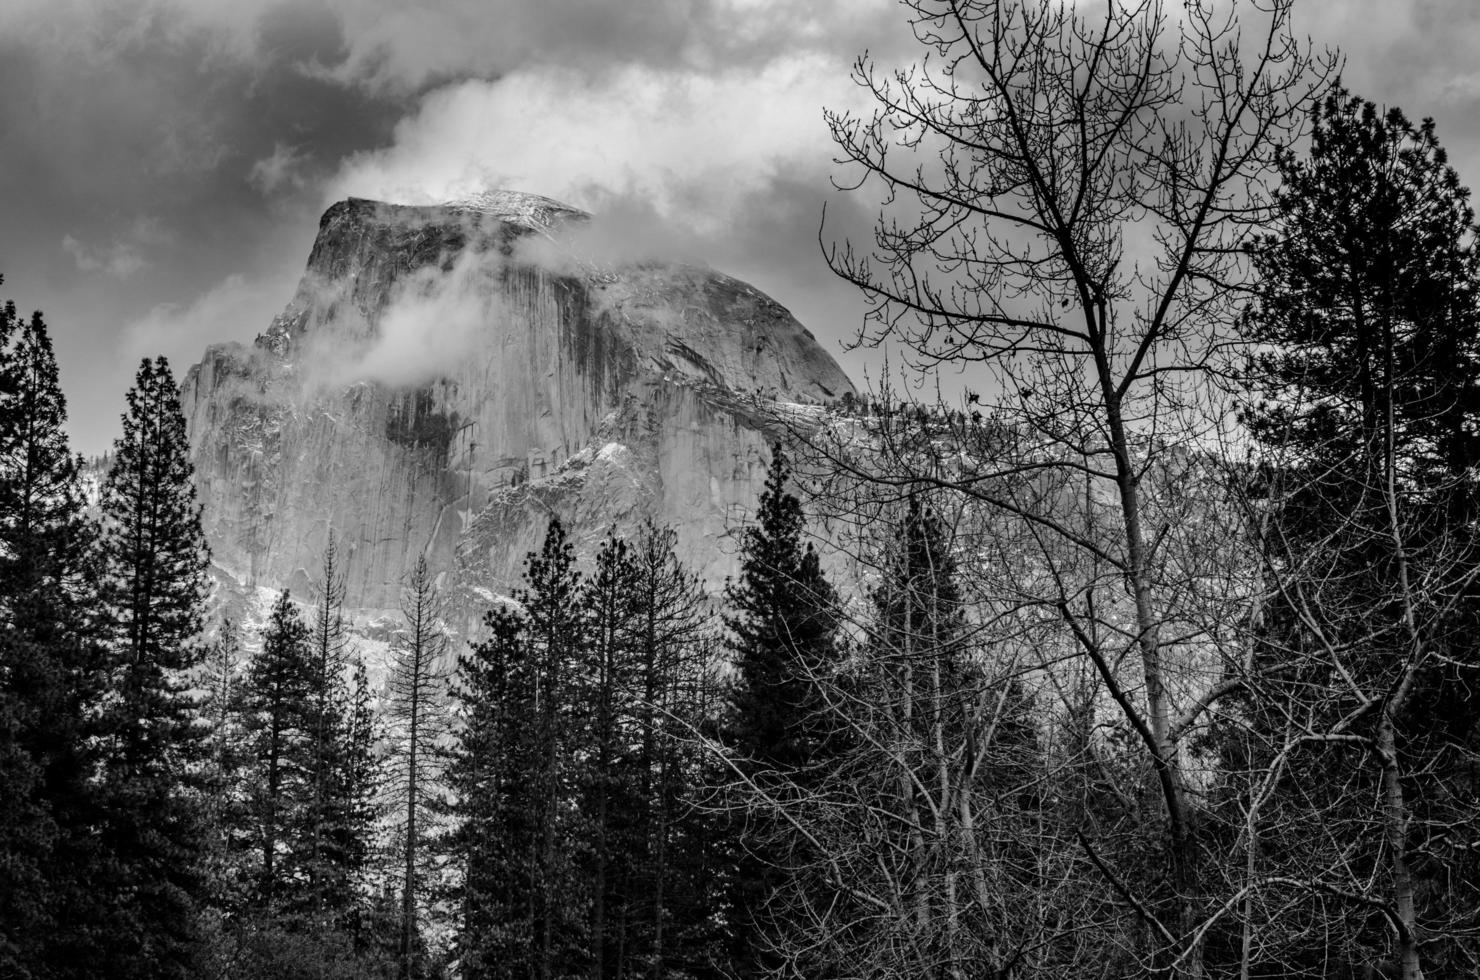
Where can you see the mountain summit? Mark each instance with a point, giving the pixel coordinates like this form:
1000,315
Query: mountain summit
446,378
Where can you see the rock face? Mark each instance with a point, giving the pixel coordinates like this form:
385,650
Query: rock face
446,378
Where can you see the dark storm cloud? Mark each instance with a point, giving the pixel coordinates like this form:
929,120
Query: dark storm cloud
397,45
154,162
165,161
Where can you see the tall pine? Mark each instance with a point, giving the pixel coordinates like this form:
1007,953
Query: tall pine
516,777
152,589
670,924
610,781
417,718
338,814
48,677
783,627
575,783
556,636
491,775
1367,408
226,767
1366,322
278,728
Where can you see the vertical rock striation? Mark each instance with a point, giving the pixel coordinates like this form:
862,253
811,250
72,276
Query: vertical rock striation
446,378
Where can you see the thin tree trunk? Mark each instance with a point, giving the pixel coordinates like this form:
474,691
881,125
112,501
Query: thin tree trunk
269,836
1395,809
1395,822
408,893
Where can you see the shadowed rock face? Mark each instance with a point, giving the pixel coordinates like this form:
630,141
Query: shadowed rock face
446,378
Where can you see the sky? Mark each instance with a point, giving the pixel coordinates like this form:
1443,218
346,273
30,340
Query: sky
163,163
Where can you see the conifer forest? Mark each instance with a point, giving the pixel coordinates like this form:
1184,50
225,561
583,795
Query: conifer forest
1124,628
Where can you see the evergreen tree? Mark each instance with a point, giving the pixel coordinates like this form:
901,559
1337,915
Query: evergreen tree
152,591
555,635
1366,319
677,848
222,684
574,780
1367,402
49,682
491,777
357,784
783,625
338,818
645,682
278,723
297,923
610,792
418,720
919,630
515,776
228,758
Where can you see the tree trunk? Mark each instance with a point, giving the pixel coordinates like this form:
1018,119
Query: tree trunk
408,892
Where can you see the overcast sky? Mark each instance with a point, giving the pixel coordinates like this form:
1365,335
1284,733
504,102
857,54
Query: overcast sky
163,163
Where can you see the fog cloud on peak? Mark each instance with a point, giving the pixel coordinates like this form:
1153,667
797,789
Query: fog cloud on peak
433,322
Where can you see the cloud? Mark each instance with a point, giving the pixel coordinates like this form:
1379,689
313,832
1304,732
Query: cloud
123,256
427,329
696,147
119,260
725,167
692,125
407,47
392,45
282,168
102,29
236,308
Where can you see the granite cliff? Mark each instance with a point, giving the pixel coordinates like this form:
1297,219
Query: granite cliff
447,377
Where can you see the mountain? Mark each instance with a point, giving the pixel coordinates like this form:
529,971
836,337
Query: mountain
448,377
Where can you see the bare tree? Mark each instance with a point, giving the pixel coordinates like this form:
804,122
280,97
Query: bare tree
931,822
1067,197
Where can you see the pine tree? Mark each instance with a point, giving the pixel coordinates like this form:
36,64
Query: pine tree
278,723
336,823
1367,313
417,715
226,765
575,780
556,636
515,779
609,669
49,683
783,625
1367,398
222,684
358,779
677,851
152,592
491,776
783,629
919,619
